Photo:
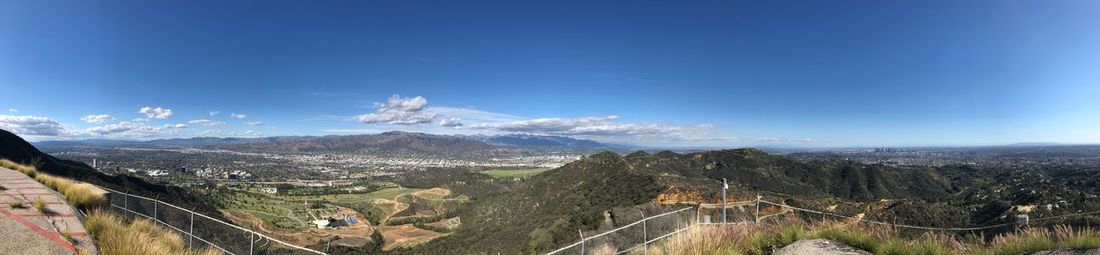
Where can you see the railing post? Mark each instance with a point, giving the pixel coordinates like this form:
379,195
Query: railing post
155,205
582,241
645,234
191,233
756,214
251,242
126,205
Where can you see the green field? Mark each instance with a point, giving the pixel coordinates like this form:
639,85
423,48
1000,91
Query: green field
515,172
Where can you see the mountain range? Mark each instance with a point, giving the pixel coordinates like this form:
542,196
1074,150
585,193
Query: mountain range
392,142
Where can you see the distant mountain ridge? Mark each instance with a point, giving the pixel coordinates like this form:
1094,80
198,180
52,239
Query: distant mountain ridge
388,142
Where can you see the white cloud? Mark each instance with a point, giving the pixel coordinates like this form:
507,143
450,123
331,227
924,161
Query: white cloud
775,140
450,122
206,122
13,110
96,119
125,129
212,113
175,126
469,114
609,128
399,111
156,113
254,123
253,133
32,125
237,116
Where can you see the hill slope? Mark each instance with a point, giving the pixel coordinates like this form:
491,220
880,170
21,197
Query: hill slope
14,148
606,190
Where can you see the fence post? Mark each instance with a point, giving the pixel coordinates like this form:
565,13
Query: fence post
155,205
645,234
756,214
251,242
191,233
126,205
582,241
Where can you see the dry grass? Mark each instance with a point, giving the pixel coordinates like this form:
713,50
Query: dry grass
25,169
762,239
16,204
114,236
76,193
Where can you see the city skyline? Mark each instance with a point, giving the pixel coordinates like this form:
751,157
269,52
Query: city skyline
728,74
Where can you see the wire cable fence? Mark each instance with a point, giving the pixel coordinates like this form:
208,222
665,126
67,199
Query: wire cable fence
199,231
636,237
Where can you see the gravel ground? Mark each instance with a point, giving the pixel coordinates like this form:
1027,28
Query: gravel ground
819,246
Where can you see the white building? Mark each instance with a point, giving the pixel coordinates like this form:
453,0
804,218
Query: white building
269,190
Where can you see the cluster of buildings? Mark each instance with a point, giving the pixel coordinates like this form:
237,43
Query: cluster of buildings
340,221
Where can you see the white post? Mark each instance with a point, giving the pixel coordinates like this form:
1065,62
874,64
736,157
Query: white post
645,234
191,233
155,203
756,214
251,242
582,241
725,186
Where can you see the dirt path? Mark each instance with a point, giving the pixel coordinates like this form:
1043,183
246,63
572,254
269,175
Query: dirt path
28,231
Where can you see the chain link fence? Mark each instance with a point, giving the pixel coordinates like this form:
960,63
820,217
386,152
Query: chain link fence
199,231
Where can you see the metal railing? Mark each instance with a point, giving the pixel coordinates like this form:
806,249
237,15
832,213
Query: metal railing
200,231
634,236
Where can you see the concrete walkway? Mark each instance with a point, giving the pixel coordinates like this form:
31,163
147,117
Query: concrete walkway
28,231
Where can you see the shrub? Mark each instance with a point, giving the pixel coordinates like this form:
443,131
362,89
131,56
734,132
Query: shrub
16,204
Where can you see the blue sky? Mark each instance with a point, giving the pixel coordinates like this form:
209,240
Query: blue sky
673,73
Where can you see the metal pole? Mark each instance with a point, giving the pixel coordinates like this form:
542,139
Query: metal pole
251,241
645,235
155,203
126,204
756,214
582,241
725,186
191,233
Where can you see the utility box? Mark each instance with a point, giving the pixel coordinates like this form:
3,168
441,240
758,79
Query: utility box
706,218
1021,220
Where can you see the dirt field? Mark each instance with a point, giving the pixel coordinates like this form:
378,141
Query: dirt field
451,223
405,235
433,193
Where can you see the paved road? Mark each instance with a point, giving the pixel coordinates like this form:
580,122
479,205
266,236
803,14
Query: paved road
27,231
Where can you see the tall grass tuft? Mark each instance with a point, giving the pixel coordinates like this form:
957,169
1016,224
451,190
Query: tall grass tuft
114,235
40,205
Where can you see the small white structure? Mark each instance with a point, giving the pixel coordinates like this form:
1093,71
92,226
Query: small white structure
321,224
271,190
